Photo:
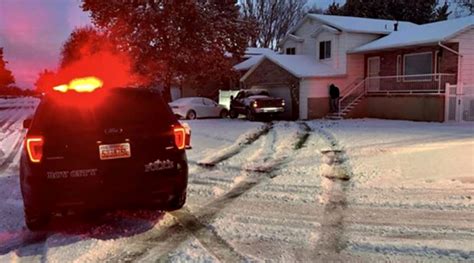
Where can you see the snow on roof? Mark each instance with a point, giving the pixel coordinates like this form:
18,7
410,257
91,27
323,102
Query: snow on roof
248,63
361,25
252,51
419,35
253,55
300,66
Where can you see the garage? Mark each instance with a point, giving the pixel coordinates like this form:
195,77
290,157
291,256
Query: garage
281,91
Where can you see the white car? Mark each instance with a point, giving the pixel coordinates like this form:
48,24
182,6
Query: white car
197,107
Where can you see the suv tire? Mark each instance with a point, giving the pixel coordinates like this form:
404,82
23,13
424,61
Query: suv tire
35,220
177,203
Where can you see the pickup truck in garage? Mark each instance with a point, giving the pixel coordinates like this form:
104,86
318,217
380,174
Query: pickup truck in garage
255,103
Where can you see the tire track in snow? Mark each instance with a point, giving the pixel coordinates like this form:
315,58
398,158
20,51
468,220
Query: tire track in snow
198,223
334,183
372,223
7,161
11,118
16,130
232,150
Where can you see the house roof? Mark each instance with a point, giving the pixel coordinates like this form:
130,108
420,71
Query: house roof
419,35
253,55
300,66
255,51
248,63
361,25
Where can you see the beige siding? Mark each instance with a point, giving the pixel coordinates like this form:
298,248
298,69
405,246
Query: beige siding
349,42
319,87
305,31
316,88
466,48
290,43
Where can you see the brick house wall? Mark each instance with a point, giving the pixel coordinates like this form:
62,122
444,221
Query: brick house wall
269,75
388,67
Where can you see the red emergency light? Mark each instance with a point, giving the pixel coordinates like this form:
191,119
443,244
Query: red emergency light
81,85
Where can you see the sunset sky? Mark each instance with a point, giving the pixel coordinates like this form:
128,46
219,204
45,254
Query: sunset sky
32,32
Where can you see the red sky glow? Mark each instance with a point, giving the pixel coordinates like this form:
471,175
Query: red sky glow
32,32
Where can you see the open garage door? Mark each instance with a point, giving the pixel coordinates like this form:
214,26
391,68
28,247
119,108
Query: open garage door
281,92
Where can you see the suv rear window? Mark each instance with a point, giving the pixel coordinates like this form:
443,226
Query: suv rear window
120,108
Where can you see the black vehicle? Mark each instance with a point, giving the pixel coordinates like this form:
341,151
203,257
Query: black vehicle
255,103
107,149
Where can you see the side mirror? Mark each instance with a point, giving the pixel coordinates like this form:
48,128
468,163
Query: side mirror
231,97
27,123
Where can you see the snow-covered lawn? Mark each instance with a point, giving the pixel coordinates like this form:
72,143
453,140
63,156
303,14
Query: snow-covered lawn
316,191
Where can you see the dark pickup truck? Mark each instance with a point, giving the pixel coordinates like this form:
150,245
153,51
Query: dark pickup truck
255,103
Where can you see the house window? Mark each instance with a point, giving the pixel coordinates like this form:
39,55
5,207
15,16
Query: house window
324,49
399,68
418,64
291,51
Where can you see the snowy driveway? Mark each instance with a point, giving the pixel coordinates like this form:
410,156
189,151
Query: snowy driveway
318,191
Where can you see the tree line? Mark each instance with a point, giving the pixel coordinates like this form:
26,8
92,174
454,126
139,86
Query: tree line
170,41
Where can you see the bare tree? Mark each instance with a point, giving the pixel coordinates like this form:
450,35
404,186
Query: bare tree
274,19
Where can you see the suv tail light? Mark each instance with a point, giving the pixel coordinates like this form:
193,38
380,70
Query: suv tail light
34,146
179,137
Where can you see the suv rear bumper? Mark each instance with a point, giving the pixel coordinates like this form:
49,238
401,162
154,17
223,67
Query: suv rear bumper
153,190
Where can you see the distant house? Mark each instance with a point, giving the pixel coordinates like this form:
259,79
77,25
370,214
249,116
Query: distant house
384,68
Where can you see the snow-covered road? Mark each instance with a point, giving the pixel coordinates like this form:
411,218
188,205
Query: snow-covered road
316,191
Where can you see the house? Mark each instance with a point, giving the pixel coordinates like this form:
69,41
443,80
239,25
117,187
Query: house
382,67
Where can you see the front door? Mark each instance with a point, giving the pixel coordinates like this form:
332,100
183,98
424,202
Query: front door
373,71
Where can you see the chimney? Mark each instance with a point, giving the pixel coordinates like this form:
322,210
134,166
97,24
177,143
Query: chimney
395,26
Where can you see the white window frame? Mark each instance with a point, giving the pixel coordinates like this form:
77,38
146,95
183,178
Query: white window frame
319,49
435,70
290,48
399,68
416,80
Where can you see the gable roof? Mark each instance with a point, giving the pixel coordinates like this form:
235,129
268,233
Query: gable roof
361,25
252,56
419,35
255,51
300,66
248,63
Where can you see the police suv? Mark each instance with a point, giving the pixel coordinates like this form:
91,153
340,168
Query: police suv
91,149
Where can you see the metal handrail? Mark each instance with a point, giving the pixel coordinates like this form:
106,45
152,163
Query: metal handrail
354,83
348,93
412,76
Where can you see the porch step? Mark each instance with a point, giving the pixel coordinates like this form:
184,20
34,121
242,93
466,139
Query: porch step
346,109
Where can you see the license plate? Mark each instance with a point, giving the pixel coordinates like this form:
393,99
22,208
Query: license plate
114,151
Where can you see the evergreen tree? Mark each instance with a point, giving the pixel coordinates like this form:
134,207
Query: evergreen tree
442,12
419,12
6,76
334,9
